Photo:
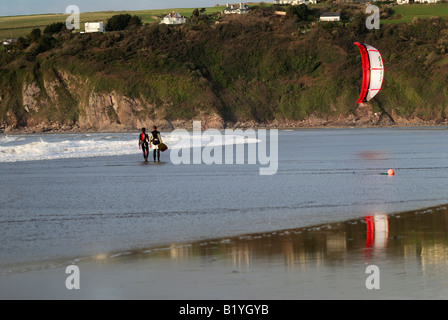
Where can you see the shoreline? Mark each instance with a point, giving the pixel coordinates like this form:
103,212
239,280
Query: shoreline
188,125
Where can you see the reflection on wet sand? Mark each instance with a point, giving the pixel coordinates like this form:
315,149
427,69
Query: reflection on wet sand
320,262
410,237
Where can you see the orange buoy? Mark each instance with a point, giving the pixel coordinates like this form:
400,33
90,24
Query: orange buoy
390,172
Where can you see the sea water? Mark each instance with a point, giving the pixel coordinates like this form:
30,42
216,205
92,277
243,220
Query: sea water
71,195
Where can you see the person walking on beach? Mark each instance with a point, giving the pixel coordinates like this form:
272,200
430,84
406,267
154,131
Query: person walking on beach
143,143
155,139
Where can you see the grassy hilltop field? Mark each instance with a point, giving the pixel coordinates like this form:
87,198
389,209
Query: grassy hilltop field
20,26
405,13
232,70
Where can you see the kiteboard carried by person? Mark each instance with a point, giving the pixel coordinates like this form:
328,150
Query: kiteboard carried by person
143,144
156,140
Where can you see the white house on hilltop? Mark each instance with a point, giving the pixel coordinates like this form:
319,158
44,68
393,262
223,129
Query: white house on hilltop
94,27
330,16
174,18
295,2
236,9
9,41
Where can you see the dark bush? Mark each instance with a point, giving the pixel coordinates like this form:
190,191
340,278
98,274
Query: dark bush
54,28
135,21
35,34
122,21
300,12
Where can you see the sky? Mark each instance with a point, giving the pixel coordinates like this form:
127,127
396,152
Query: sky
26,7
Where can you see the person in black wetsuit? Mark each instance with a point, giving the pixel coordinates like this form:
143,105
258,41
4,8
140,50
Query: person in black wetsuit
143,143
155,139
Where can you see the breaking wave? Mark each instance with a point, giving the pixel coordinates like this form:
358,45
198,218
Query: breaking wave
66,146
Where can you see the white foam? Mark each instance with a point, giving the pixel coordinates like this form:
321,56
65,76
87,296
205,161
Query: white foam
9,139
66,146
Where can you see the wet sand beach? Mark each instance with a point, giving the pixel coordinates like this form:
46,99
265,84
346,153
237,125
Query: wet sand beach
326,261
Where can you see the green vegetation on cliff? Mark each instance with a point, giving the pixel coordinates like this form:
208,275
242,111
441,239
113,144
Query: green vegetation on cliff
260,67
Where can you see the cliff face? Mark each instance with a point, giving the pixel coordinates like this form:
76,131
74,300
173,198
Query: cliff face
257,70
94,111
